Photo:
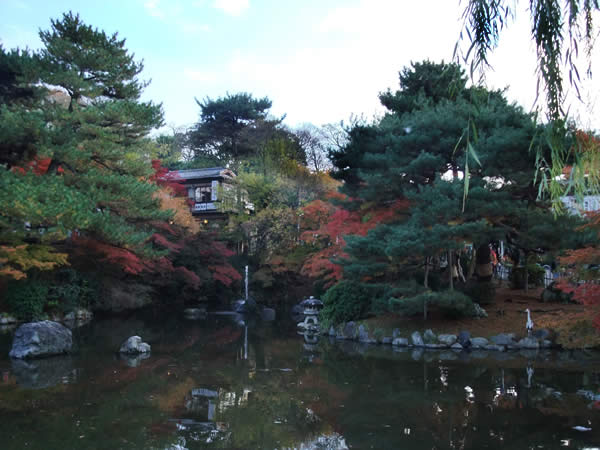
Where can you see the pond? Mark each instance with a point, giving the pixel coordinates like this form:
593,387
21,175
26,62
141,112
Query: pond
219,382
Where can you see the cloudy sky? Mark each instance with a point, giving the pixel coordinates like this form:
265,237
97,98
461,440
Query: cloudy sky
319,61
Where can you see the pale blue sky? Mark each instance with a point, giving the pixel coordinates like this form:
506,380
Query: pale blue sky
319,61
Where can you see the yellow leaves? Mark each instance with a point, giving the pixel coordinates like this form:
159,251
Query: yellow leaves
15,261
182,215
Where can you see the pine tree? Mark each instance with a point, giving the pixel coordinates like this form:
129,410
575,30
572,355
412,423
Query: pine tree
80,163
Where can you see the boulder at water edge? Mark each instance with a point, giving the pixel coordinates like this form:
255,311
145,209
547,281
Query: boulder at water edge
134,345
43,338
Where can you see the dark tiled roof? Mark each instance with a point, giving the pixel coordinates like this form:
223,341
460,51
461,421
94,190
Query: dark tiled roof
211,172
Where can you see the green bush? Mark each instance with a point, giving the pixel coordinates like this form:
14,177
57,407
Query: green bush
535,272
482,292
71,289
346,301
27,298
452,304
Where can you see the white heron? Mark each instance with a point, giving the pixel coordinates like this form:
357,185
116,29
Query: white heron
529,324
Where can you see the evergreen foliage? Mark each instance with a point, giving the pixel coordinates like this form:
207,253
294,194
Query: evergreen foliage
74,155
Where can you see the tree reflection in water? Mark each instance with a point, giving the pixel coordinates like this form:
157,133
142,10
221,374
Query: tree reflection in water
221,384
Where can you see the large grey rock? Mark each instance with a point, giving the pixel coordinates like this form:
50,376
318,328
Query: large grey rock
503,339
416,339
529,343
387,340
429,337
400,342
134,345
363,335
464,339
43,338
479,342
456,346
447,339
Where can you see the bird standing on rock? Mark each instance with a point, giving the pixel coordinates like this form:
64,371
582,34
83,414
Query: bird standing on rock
529,324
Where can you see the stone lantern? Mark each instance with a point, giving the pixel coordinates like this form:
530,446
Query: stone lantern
311,307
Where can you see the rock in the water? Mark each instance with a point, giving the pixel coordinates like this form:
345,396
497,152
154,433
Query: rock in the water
41,339
464,339
529,343
447,339
479,342
349,331
456,346
429,337
6,319
245,306
416,339
363,334
387,340
503,339
268,314
134,345
400,342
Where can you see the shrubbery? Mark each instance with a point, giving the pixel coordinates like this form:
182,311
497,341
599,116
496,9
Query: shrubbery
27,299
452,304
66,290
346,301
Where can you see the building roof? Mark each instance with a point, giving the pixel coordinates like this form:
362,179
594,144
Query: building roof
210,172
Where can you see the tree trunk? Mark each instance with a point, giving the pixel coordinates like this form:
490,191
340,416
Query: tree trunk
526,275
426,285
450,265
472,264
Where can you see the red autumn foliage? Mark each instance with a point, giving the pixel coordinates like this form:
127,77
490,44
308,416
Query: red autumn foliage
127,260
583,282
225,274
189,277
327,224
165,178
37,165
163,242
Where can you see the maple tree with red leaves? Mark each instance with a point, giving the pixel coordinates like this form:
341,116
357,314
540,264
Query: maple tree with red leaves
583,280
326,225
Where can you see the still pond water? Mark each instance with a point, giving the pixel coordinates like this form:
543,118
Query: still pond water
220,383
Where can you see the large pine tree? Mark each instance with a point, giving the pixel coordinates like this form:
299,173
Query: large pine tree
74,149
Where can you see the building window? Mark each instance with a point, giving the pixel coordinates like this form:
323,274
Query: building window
203,194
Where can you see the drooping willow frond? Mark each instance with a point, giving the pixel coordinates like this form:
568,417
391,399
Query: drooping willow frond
558,28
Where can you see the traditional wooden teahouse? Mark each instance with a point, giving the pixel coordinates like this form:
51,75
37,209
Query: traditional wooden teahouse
212,193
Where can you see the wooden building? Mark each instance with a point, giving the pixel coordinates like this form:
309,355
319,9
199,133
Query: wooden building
212,192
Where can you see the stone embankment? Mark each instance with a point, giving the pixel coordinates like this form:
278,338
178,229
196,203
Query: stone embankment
538,339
